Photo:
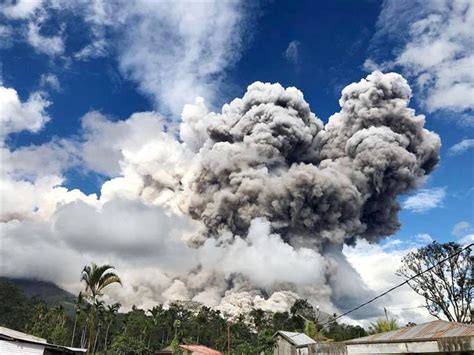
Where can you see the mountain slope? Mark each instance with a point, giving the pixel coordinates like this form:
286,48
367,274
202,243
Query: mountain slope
47,291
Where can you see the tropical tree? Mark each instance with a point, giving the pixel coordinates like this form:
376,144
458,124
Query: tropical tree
96,279
447,286
383,325
78,303
110,315
50,323
99,307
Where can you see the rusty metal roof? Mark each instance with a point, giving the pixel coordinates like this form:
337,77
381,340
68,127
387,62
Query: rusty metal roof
200,350
422,332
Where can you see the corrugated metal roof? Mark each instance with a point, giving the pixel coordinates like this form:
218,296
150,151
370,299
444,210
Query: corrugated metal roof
200,349
297,339
13,335
422,332
21,336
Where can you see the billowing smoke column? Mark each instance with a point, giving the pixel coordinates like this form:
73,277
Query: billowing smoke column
275,194
251,208
267,155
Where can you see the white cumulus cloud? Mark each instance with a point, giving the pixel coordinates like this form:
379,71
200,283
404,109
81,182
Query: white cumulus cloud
434,48
425,200
17,116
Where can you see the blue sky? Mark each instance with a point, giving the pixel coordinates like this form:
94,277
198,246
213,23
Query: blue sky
122,59
334,39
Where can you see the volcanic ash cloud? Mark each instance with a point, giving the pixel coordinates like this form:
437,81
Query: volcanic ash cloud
268,156
251,208
274,189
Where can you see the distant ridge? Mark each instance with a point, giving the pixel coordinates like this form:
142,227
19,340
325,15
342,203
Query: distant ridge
47,291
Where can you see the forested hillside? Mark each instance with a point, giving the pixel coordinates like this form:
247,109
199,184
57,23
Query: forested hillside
145,331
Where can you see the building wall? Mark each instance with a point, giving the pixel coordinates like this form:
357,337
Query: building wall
283,347
20,348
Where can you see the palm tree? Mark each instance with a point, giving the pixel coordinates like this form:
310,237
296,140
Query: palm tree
383,325
100,308
77,307
111,311
96,279
155,315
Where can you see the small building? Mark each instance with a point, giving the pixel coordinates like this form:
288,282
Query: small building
198,350
13,342
438,337
292,343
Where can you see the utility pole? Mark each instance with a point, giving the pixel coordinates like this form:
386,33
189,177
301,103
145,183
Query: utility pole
386,316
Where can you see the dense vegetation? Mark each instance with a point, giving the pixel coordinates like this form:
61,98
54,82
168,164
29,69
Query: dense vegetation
140,331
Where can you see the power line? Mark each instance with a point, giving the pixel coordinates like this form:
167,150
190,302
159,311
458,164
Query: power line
399,285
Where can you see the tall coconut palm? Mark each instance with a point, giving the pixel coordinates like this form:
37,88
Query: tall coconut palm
77,310
109,318
155,312
96,279
99,305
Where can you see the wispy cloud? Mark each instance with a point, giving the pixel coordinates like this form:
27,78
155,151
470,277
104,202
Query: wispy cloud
173,51
292,52
462,228
51,81
21,9
434,48
425,200
461,147
51,46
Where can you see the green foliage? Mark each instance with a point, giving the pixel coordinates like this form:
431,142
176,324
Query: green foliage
15,308
127,345
383,325
91,323
49,323
175,346
96,278
342,332
311,330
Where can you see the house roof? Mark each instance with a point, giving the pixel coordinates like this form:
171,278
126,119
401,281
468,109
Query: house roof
13,335
297,339
422,332
200,350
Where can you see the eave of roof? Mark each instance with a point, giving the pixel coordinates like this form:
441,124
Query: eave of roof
430,331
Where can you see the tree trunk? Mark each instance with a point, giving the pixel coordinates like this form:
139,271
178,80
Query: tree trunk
74,331
96,337
106,336
91,334
83,336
